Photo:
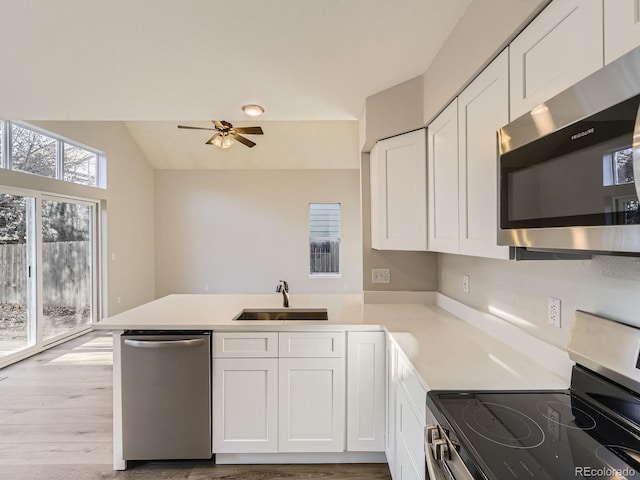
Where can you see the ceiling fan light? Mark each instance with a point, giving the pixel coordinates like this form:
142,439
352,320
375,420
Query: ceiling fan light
253,110
217,141
227,142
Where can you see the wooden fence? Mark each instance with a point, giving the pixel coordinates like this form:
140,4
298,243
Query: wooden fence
66,272
325,256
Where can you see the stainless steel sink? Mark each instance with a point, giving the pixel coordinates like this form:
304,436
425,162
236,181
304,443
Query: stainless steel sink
311,314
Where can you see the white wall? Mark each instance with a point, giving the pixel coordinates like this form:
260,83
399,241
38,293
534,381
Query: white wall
518,291
240,231
129,207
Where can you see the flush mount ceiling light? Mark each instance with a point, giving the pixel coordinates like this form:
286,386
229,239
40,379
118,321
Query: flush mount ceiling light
253,110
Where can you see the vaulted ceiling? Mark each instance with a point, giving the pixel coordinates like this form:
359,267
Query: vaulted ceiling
204,59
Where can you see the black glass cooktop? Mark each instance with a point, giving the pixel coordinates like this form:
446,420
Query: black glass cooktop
540,435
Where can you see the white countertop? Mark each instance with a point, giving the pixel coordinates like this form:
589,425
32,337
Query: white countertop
449,353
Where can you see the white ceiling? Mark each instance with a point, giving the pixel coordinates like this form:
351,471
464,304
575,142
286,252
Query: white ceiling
284,145
203,59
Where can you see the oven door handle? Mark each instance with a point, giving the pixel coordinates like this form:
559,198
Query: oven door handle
432,435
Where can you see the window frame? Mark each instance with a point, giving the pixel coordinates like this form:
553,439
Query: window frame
7,160
337,274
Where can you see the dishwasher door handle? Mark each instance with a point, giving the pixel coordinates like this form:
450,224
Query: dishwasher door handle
192,342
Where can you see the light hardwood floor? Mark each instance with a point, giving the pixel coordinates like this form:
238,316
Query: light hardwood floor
55,424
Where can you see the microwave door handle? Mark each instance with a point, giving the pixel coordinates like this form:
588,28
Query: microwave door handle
636,154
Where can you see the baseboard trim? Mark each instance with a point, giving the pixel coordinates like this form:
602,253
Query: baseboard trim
280,458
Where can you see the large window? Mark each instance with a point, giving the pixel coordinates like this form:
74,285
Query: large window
48,287
324,239
28,149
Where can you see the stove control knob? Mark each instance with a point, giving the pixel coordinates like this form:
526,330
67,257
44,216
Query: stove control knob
432,433
441,450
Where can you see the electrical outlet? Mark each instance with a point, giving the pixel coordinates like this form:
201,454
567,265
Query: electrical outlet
553,312
380,275
465,283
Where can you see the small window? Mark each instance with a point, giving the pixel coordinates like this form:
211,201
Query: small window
33,152
79,165
324,239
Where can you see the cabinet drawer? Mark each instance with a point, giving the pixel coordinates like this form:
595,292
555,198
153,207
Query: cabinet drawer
245,344
415,391
311,344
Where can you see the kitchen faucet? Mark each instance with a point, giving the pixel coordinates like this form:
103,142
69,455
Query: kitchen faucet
284,288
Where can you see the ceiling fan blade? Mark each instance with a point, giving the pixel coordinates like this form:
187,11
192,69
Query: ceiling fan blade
249,130
218,124
243,140
226,124
195,128
210,141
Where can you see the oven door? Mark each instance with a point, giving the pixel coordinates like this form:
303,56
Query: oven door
442,455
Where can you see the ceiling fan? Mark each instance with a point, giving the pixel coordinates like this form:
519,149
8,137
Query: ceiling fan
226,133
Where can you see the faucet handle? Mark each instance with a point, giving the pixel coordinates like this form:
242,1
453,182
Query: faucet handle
285,284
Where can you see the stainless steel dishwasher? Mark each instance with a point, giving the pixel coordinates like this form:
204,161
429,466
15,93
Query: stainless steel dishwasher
166,395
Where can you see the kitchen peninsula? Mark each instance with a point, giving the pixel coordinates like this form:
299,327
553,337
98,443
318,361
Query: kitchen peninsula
409,348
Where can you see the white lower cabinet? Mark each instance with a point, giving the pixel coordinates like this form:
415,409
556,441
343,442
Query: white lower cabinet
245,405
296,401
366,391
406,408
312,404
390,413
409,437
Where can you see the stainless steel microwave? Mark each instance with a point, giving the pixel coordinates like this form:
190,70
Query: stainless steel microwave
569,170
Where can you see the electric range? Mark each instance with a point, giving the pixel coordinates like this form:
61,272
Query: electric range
590,431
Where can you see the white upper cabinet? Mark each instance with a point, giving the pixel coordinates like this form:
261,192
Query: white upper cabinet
621,27
399,193
559,47
443,180
483,108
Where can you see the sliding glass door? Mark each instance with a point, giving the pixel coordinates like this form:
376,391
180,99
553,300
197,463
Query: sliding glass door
67,266
48,287
17,322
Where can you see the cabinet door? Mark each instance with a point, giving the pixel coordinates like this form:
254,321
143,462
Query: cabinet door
391,386
559,47
399,193
365,391
483,108
410,448
312,405
443,181
621,27
245,405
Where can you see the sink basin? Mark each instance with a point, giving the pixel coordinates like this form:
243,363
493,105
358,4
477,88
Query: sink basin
312,314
